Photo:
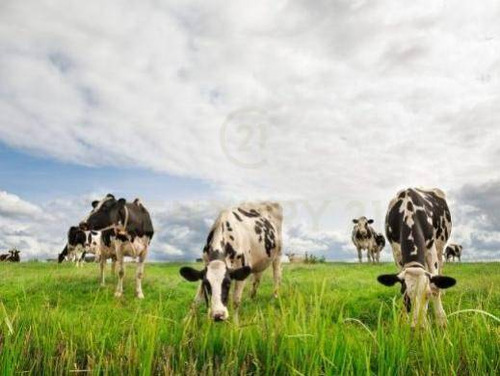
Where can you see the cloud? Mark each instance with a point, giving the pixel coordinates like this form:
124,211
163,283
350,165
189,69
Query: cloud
478,228
353,97
346,101
12,206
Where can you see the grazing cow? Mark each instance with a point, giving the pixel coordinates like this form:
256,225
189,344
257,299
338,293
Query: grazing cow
11,256
100,244
75,247
418,225
132,231
243,240
365,237
453,250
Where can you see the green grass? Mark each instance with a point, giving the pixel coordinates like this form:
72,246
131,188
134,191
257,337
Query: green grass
331,319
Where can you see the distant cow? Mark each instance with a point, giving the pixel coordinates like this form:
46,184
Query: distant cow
132,231
243,240
75,247
365,237
11,256
295,258
101,245
418,225
453,250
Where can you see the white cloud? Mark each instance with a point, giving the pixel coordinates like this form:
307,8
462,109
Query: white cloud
12,205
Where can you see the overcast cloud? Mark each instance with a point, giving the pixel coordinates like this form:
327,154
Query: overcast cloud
303,101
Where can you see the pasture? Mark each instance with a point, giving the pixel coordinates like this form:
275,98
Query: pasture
331,319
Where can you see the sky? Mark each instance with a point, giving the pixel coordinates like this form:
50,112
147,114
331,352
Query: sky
329,107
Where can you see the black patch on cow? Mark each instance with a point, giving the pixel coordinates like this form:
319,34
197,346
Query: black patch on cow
229,251
208,245
406,298
250,214
76,236
237,217
228,225
63,254
380,240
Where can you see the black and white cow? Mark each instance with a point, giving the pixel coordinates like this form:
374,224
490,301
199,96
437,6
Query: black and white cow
101,245
366,238
453,250
243,240
11,256
75,246
418,225
132,231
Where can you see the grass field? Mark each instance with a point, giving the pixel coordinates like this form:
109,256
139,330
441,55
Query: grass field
331,319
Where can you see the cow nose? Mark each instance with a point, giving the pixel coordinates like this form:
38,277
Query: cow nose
219,317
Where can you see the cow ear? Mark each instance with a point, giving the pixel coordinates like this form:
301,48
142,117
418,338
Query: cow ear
443,282
354,221
109,195
241,273
191,274
94,203
122,201
388,279
370,221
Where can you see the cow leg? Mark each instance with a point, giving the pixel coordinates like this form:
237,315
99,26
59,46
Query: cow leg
102,265
277,274
434,260
121,272
360,255
238,292
255,285
138,276
113,266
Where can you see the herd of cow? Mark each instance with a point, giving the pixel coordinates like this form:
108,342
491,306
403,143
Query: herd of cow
247,239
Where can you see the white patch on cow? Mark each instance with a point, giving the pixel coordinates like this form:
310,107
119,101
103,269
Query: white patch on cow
216,271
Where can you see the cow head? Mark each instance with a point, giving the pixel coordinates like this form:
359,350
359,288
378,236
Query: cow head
215,283
362,226
104,213
62,256
417,285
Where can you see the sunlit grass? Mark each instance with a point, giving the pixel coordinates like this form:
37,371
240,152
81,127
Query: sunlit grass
331,319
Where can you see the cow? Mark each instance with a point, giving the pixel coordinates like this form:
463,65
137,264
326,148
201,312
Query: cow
365,237
418,225
453,250
100,244
243,240
75,247
132,231
11,256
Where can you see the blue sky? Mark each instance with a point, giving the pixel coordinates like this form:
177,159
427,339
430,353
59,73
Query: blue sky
37,178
